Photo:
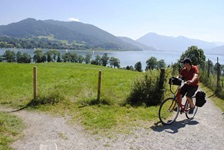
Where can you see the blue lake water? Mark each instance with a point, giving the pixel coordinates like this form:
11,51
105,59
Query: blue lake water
128,58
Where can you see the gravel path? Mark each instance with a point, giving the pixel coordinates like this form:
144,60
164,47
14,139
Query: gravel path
205,132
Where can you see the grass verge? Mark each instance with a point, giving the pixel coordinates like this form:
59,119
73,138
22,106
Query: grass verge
10,129
211,94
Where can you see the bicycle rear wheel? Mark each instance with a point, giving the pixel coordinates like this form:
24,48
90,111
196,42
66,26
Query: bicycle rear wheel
167,112
187,107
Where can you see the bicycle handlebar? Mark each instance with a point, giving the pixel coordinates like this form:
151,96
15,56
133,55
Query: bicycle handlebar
182,83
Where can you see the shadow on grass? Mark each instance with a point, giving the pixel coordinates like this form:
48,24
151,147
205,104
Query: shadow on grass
213,95
174,127
37,102
50,100
94,102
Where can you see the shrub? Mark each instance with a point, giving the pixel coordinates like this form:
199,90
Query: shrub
145,90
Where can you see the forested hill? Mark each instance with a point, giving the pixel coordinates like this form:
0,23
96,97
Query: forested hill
78,33
179,43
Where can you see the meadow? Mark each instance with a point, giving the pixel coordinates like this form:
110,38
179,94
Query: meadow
71,88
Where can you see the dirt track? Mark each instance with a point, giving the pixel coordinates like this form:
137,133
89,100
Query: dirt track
205,132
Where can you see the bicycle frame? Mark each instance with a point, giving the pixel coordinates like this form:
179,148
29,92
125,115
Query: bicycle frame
179,101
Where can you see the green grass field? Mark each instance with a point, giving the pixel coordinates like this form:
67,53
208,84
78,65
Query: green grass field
73,81
71,88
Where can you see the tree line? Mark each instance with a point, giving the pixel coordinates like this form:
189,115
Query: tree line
151,64
55,56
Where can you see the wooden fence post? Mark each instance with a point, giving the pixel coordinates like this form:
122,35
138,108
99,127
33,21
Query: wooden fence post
222,83
218,86
34,82
208,68
161,84
218,73
99,85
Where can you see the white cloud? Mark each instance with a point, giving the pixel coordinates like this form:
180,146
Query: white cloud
73,19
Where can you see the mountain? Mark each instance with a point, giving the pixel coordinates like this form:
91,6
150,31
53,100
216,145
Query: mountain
215,50
135,43
93,37
78,32
179,43
219,43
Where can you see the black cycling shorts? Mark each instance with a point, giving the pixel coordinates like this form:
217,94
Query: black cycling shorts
190,90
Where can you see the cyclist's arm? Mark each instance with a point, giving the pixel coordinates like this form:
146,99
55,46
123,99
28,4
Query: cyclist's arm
193,79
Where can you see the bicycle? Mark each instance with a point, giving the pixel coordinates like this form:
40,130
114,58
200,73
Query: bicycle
171,107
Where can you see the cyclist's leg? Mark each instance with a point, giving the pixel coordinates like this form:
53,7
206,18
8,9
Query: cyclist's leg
183,91
190,92
190,102
192,112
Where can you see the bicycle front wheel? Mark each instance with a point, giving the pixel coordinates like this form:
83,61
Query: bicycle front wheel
168,111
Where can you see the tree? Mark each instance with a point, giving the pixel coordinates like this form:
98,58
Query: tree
26,58
1,59
9,56
19,57
97,60
138,66
93,62
66,57
151,63
196,55
39,56
115,62
55,54
217,67
161,64
70,57
104,59
49,57
130,68
74,57
23,58
59,57
80,58
88,58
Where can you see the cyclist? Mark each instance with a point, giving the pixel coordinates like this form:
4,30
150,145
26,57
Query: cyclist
189,73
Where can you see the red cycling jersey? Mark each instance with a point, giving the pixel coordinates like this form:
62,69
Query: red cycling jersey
188,75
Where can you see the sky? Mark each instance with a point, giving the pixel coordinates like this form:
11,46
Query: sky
195,19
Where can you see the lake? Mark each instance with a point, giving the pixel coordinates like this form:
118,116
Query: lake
128,58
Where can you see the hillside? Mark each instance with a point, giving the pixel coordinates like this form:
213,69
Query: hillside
138,44
180,43
216,50
78,32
